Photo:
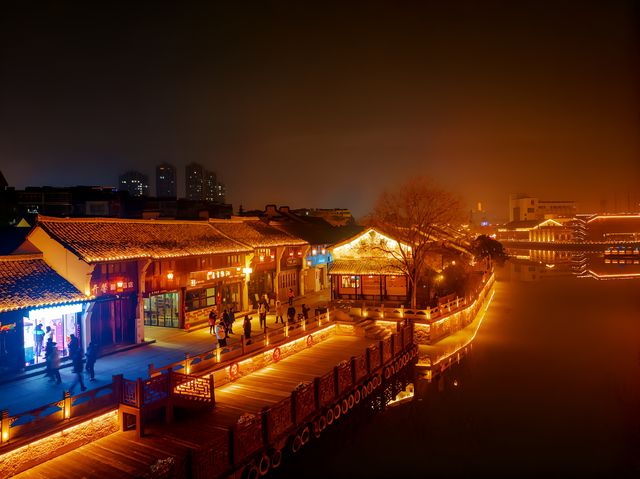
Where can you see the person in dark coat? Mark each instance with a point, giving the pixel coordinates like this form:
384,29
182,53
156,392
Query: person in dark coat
226,320
247,329
291,314
92,355
212,320
77,370
305,311
73,345
232,318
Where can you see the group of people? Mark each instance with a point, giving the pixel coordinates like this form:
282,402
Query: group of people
53,360
221,328
224,327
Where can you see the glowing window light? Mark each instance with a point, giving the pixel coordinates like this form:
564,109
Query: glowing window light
170,275
54,311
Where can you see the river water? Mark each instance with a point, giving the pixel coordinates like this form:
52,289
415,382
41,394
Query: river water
551,388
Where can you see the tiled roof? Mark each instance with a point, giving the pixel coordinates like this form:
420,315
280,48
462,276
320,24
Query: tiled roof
364,266
27,281
108,239
256,233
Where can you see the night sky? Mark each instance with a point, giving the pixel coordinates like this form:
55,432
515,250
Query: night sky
323,104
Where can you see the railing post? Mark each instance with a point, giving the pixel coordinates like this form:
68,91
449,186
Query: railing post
212,389
66,404
150,369
242,343
139,392
187,369
286,328
116,382
4,426
266,336
304,324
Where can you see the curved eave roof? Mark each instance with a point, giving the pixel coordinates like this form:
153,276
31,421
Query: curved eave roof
28,282
97,239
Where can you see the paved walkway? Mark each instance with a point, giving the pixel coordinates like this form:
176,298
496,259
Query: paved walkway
170,346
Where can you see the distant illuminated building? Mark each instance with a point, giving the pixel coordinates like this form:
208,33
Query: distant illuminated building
136,183
202,184
194,181
527,208
166,181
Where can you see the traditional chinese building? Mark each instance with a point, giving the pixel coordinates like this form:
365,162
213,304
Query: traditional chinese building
277,262
143,272
364,268
556,230
32,294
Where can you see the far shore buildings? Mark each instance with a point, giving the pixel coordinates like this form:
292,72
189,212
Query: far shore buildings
134,183
528,208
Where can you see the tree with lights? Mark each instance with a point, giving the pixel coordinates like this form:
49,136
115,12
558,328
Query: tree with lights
415,214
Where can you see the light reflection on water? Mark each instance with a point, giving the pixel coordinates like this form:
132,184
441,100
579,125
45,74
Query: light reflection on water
551,387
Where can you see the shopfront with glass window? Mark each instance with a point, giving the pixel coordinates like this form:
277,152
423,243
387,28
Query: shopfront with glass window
63,321
162,309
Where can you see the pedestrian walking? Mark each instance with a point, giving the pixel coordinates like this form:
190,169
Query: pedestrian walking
77,370
38,336
212,320
290,297
225,320
305,311
291,314
55,363
48,335
73,346
232,318
247,329
262,314
221,334
279,312
92,355
48,357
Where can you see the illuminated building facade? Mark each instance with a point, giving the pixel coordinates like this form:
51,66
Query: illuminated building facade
32,294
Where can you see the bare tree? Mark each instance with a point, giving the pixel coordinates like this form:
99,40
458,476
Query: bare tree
415,214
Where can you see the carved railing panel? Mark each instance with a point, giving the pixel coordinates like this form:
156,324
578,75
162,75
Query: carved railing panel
279,419
155,388
129,393
193,388
360,367
326,389
345,378
305,403
374,357
247,437
386,350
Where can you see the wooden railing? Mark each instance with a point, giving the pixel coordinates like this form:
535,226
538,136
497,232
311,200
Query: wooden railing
55,416
210,360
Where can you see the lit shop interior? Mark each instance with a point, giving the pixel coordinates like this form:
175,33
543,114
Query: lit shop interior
63,321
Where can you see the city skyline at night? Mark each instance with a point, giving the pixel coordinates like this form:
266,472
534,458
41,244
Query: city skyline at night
326,107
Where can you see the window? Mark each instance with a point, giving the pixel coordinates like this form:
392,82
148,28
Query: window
233,260
530,210
350,281
200,298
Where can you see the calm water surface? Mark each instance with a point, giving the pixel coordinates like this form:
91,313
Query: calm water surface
551,389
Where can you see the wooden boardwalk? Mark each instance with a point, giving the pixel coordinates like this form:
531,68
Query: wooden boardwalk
121,455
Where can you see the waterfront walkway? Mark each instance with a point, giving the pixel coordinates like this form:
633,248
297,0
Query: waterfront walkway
170,345
121,455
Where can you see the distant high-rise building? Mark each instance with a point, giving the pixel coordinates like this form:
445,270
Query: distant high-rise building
213,189
194,181
136,183
202,184
166,181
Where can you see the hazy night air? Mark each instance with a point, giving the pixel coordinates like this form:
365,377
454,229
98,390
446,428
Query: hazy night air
325,104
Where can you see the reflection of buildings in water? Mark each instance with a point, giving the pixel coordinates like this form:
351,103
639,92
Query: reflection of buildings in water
534,265
602,267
